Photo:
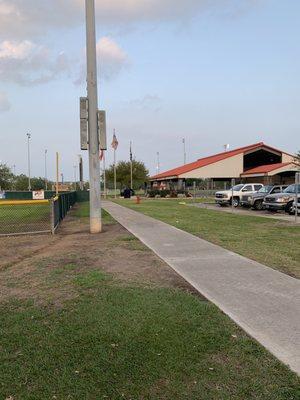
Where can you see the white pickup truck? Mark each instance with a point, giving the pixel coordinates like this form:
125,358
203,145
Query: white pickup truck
224,197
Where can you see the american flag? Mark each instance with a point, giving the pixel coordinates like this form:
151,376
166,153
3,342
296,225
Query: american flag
114,143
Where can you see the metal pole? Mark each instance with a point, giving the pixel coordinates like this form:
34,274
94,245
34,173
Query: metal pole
115,174
28,145
297,182
232,191
75,177
184,151
131,168
104,175
57,172
46,180
94,162
158,163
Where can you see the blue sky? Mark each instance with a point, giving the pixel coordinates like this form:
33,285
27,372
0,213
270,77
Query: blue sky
213,72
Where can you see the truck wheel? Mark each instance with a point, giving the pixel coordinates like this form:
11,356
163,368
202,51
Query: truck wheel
258,205
235,202
288,208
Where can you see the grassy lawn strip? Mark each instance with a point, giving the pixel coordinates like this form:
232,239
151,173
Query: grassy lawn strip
133,343
83,211
116,340
271,242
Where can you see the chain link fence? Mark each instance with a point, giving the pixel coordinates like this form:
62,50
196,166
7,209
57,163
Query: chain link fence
19,217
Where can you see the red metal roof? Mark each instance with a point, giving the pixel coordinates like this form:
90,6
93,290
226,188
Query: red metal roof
264,169
202,162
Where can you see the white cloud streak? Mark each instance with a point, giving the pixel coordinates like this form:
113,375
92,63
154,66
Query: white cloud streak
112,59
24,18
27,63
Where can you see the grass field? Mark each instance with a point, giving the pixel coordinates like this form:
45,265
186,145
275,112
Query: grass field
24,218
99,336
271,242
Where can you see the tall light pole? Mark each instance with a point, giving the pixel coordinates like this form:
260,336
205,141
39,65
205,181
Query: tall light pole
46,179
158,163
75,176
94,162
28,152
184,151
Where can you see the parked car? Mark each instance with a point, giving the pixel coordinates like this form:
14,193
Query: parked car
281,201
224,197
256,200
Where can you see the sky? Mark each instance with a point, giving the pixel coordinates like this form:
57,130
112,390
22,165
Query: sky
210,71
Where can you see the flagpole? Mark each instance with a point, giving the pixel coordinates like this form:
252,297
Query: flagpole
131,169
115,174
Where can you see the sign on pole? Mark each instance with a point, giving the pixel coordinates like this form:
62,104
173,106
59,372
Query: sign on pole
83,123
102,129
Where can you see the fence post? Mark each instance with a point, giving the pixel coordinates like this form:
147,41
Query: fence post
52,219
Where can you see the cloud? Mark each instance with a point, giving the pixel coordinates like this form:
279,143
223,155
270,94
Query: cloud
26,18
148,102
112,59
4,103
26,63
20,18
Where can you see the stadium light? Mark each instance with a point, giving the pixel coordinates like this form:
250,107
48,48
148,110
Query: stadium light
28,151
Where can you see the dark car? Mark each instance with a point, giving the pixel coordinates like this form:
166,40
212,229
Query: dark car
256,200
281,201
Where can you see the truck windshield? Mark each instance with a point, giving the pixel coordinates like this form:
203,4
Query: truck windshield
291,189
265,189
237,188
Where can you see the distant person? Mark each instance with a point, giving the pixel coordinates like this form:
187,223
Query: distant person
127,193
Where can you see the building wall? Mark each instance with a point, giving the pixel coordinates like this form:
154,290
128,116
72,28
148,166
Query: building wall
287,158
230,168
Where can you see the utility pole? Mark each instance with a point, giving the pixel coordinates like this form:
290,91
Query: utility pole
75,176
158,163
46,179
94,162
184,151
28,151
57,173
131,167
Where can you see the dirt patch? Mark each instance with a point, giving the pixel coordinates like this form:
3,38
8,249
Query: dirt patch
43,268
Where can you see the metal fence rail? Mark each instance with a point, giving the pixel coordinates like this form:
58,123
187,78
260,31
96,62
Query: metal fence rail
19,217
61,205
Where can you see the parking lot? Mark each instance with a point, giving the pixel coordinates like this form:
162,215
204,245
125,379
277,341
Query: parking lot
246,211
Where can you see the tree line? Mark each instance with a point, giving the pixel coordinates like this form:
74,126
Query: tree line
9,181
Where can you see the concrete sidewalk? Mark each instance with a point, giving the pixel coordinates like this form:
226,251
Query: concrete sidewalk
264,302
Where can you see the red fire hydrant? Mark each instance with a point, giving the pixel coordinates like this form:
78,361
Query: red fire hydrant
137,200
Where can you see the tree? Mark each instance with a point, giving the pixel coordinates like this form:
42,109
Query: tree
21,183
6,177
140,174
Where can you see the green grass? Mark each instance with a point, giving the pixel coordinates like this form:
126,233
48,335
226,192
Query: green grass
24,218
271,242
116,341
124,342
83,211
